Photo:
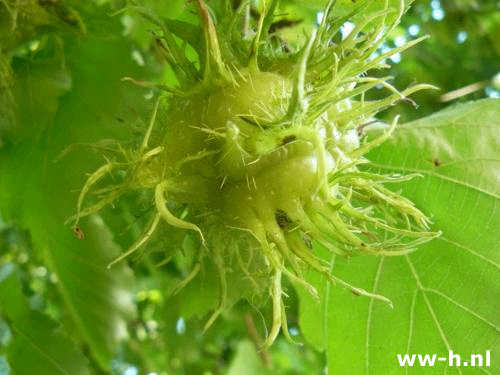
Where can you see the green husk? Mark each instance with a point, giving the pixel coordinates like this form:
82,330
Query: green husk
261,147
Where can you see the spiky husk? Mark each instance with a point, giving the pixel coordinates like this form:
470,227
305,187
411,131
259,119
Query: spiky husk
261,146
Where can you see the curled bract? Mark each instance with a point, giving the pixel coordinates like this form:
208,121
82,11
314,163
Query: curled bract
260,152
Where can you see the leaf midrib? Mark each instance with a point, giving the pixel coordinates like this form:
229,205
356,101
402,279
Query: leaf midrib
42,352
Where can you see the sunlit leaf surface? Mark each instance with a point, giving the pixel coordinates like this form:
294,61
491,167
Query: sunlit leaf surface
446,295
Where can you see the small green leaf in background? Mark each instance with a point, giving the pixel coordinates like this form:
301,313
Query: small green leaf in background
246,361
446,294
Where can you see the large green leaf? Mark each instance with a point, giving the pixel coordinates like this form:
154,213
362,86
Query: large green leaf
39,189
446,295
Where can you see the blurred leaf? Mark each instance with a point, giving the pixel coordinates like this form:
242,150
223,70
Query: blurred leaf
20,21
7,104
39,190
446,295
38,346
40,82
23,20
11,299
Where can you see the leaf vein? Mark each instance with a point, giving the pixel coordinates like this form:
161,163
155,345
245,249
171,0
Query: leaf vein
468,249
42,352
465,308
428,303
433,174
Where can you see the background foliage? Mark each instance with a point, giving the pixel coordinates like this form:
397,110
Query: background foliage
63,312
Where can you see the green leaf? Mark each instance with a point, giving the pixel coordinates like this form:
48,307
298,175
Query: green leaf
35,338
39,190
38,340
98,299
446,295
